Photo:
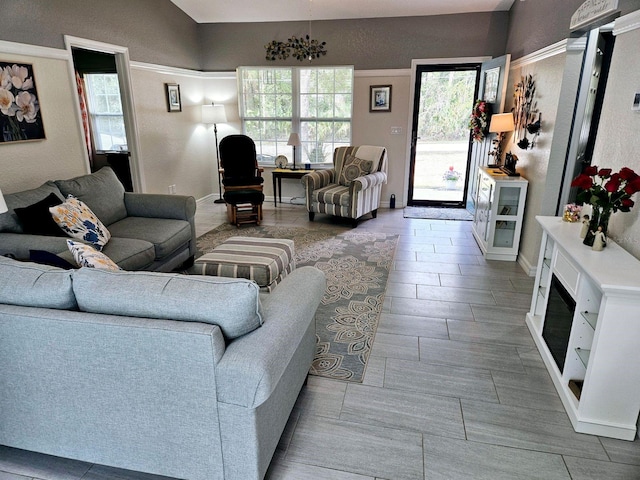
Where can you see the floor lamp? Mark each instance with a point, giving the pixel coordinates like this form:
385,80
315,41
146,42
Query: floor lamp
215,114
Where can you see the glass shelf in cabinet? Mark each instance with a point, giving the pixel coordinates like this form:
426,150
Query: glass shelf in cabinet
583,355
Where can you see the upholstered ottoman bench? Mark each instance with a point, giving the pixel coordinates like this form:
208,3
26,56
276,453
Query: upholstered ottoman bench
264,260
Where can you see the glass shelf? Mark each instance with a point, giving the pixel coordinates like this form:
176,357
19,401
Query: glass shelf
583,355
590,318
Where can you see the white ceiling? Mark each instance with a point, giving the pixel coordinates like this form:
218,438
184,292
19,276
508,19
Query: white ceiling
233,11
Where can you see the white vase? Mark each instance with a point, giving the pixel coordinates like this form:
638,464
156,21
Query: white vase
450,184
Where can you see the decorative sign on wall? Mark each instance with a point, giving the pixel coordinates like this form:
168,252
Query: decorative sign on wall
592,10
20,116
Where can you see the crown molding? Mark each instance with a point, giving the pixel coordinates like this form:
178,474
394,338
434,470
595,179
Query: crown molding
183,72
391,72
542,54
627,23
33,50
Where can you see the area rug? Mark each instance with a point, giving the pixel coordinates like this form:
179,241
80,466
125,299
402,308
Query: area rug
356,265
436,213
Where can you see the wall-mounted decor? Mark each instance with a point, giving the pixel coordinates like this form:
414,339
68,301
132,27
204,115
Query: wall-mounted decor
525,111
303,48
20,116
479,120
174,103
636,102
380,98
491,78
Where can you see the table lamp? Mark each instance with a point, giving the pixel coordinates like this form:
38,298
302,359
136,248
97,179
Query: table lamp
294,141
500,123
215,114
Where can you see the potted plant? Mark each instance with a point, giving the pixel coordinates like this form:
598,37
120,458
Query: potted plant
451,177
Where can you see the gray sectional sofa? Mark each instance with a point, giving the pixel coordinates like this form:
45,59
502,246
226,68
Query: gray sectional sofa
191,377
148,231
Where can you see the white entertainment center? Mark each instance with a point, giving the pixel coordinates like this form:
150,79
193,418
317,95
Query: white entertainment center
585,320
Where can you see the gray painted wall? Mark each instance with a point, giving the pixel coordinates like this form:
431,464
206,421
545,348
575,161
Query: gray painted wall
536,24
154,31
374,43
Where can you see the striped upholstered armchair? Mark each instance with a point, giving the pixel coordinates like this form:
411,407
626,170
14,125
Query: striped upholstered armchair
350,189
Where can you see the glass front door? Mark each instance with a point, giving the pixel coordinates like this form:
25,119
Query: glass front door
444,97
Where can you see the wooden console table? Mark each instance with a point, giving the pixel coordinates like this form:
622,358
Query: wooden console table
279,174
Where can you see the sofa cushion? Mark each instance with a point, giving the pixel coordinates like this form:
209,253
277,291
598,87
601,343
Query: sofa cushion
87,256
36,219
34,285
101,191
78,221
9,221
166,235
232,304
332,194
353,168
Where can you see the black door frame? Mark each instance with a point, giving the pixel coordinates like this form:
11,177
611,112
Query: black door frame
414,134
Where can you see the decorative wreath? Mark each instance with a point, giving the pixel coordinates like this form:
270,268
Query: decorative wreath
478,122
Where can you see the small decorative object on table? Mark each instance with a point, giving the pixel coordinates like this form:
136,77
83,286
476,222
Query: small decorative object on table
585,226
571,213
599,240
607,193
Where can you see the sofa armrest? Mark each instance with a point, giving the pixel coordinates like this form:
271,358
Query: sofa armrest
19,244
151,205
367,181
253,364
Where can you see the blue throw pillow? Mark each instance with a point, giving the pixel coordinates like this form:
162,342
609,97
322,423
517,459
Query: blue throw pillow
36,219
47,258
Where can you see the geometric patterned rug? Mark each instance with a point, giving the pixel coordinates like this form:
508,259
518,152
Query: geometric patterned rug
437,213
356,265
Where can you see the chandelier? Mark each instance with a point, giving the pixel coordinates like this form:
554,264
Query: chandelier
301,48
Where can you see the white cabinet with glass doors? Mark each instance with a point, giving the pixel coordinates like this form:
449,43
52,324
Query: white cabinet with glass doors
497,223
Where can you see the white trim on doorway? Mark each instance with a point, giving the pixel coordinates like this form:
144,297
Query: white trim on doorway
123,66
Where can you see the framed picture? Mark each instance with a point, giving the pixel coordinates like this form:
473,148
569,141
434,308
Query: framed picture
636,102
380,98
491,78
20,115
174,104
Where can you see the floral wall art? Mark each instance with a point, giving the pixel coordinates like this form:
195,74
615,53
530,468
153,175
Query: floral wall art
20,116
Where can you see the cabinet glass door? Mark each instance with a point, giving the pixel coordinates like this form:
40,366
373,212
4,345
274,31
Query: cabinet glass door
508,201
504,235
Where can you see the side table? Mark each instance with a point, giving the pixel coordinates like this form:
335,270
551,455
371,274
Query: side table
280,173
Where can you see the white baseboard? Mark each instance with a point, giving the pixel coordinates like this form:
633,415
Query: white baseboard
526,266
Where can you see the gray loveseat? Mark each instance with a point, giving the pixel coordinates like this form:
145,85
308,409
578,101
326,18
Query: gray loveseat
186,376
148,231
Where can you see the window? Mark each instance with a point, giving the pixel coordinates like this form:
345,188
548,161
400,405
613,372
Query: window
315,102
105,111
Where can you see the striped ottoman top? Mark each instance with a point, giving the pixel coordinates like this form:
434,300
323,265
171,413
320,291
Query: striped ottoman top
264,260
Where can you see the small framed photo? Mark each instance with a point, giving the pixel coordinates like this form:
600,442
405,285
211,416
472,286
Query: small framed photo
380,98
491,78
636,102
174,104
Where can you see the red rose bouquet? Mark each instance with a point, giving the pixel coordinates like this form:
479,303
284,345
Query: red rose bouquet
606,192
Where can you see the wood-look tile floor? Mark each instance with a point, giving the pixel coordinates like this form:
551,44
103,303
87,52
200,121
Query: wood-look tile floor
454,386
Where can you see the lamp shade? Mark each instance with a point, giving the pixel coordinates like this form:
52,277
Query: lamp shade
213,114
501,122
294,139
3,204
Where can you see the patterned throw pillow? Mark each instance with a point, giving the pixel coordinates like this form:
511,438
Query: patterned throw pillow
354,167
87,256
78,221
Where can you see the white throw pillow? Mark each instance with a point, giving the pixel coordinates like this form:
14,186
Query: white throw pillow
87,256
78,221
